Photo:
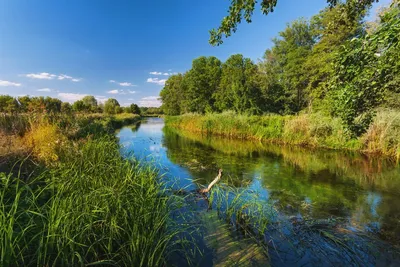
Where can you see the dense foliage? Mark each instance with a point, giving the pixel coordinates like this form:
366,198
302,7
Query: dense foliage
49,105
334,63
243,9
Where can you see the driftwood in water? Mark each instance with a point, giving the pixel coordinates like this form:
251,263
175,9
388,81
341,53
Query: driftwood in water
206,190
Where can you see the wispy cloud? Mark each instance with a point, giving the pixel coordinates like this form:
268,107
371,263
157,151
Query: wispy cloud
8,83
44,90
41,76
120,92
150,101
156,81
159,73
155,73
49,76
113,92
125,84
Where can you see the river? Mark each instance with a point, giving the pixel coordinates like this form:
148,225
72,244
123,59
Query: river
360,192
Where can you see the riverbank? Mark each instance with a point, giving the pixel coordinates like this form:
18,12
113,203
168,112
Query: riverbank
308,130
68,197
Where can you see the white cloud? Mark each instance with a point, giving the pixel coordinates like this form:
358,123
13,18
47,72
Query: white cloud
8,83
125,84
120,92
163,73
44,90
150,101
156,81
49,76
155,73
71,97
41,76
63,76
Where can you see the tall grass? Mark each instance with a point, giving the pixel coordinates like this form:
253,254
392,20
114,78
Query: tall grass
312,130
93,208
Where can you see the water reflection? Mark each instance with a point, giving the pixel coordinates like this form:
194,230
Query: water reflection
311,184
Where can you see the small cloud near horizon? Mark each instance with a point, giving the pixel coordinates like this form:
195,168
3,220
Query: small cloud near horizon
124,84
44,90
156,81
8,83
49,76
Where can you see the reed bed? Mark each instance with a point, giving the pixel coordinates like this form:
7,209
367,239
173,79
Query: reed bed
309,130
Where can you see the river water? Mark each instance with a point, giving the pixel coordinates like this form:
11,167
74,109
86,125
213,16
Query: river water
303,185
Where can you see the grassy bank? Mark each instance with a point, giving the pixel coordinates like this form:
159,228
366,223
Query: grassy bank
70,199
311,130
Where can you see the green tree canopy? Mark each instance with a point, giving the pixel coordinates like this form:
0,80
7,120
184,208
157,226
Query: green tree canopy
90,103
243,10
202,81
111,106
238,89
173,95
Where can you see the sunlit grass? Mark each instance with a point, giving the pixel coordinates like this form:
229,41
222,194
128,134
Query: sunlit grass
94,207
311,130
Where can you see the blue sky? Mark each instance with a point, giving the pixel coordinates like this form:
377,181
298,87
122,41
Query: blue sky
123,49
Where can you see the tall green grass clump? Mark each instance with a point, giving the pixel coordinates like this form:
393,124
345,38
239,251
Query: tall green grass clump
94,207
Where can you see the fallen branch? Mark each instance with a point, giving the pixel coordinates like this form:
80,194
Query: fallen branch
206,190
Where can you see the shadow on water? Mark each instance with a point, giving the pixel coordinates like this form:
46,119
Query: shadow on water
307,187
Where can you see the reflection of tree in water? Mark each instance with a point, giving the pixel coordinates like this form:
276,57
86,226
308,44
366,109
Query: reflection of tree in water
317,184
203,161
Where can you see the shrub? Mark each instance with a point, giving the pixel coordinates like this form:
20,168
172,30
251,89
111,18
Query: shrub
44,140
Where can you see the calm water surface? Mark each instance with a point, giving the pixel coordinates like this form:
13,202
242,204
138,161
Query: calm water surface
311,185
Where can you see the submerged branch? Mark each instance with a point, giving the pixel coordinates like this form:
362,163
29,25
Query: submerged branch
206,190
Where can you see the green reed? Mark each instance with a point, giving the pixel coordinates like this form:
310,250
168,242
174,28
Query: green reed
92,208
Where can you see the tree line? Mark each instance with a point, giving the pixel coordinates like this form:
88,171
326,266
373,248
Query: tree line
49,105
335,62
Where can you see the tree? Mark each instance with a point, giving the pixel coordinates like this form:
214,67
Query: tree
66,108
332,27
111,106
173,95
202,81
238,89
90,103
272,90
243,9
365,69
135,109
52,105
8,104
24,103
284,63
78,106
